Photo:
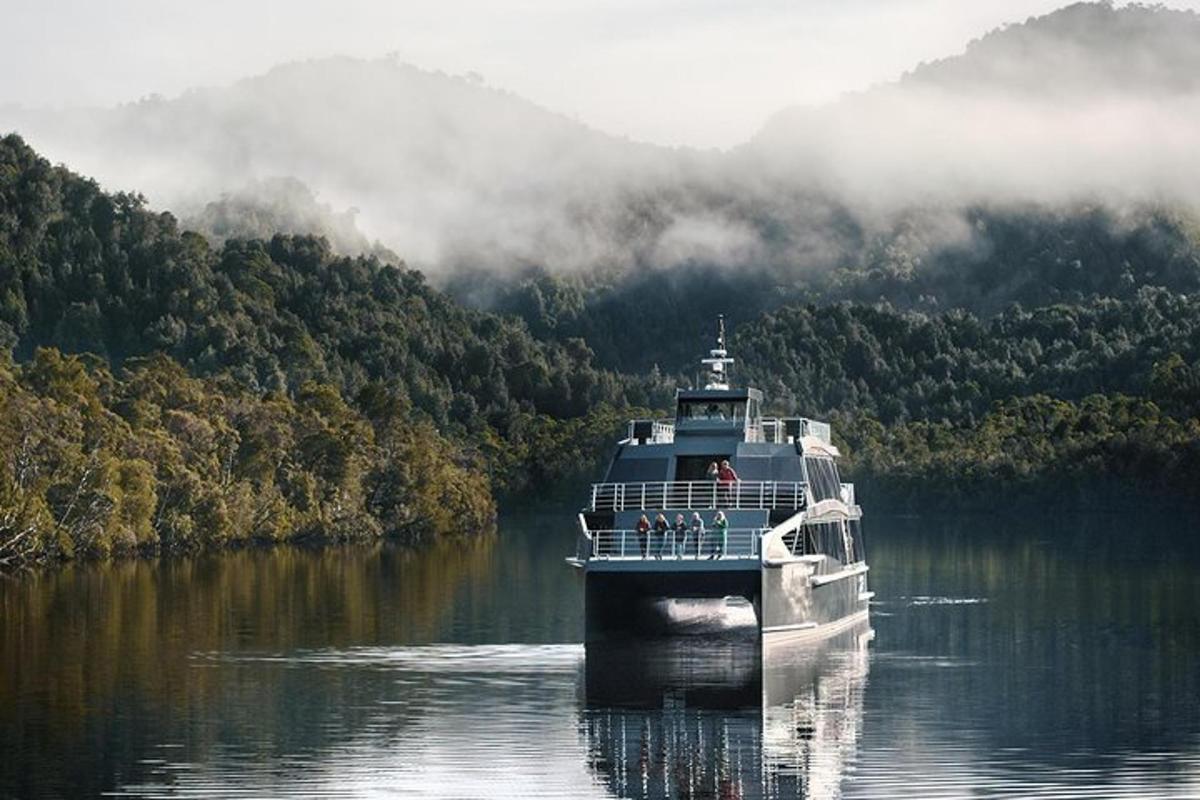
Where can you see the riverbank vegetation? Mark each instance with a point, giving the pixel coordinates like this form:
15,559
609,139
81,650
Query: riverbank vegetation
149,459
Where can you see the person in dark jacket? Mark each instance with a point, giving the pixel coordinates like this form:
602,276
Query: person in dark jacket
643,533
660,531
681,532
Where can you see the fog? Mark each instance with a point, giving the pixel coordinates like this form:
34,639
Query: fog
676,72
898,148
1090,105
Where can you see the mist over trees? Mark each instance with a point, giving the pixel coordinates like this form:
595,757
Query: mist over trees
1061,144
1090,105
262,391
283,205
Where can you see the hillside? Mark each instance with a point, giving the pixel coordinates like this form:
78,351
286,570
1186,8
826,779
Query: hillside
272,390
1081,50
440,168
263,391
89,270
1048,163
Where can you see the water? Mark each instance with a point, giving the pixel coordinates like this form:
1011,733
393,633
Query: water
1027,659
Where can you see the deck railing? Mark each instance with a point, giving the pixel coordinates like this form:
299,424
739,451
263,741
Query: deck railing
695,495
651,431
628,544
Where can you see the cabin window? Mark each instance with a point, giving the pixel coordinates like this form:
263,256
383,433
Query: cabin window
695,468
637,470
823,478
826,539
857,543
720,410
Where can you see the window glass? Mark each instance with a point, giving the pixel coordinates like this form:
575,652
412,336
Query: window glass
857,542
823,478
826,538
730,410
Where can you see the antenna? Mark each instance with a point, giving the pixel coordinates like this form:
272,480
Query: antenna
718,360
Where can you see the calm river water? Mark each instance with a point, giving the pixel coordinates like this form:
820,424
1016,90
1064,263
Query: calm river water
1009,659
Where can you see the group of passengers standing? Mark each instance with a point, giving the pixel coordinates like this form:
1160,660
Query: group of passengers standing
681,529
724,476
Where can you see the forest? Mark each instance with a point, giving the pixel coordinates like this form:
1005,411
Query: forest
163,390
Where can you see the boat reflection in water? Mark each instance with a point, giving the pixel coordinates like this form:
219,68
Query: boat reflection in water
725,715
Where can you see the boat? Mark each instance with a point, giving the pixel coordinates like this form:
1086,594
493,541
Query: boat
792,551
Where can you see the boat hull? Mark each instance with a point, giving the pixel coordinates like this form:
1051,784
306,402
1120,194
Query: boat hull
785,599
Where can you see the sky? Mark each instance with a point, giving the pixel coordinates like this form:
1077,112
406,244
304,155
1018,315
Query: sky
703,73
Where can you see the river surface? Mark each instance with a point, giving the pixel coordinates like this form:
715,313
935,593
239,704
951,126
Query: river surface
1028,658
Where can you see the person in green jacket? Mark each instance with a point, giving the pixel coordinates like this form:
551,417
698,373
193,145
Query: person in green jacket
721,526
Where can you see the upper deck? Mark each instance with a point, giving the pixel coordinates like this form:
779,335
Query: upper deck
720,453
707,495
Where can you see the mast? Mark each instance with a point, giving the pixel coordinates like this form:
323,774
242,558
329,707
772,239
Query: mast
718,360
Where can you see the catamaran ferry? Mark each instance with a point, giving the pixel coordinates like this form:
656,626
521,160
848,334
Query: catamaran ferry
723,504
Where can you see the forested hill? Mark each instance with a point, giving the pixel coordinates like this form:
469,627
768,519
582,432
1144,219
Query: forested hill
1076,51
1046,163
442,169
899,367
90,271
262,391
1034,256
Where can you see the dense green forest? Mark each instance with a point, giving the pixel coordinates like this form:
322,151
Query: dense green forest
153,459
266,347
954,366
89,271
1033,255
160,392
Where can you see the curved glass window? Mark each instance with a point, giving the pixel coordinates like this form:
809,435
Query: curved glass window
821,538
858,544
823,478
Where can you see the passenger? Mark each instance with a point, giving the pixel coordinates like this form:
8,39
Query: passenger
660,529
727,477
698,531
643,533
721,524
714,475
681,531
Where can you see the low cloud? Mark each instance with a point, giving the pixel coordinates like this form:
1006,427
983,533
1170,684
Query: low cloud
1092,104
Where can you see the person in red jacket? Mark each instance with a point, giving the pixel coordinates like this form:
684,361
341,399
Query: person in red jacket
727,477
643,534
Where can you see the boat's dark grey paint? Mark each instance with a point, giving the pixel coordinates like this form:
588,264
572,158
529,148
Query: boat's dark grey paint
794,548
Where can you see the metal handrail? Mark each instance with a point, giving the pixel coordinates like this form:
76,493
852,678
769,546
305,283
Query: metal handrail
693,495
629,544
662,431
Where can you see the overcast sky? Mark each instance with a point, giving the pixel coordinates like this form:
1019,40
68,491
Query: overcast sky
696,72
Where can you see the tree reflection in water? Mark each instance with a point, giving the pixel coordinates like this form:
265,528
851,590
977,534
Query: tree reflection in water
725,716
